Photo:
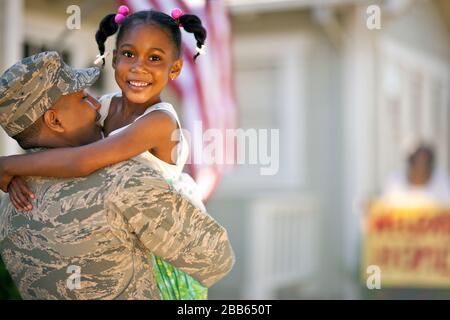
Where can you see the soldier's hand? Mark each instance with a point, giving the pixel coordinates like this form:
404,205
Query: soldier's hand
20,194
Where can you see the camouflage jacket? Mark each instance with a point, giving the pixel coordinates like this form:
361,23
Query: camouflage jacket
93,237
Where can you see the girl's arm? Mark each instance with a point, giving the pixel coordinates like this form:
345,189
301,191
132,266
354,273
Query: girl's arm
151,132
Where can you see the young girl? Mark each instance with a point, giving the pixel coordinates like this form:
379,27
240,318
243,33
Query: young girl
136,123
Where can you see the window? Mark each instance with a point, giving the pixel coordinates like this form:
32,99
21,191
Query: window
269,84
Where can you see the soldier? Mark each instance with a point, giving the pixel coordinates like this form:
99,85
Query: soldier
93,237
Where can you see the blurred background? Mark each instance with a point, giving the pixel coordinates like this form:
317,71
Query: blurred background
351,95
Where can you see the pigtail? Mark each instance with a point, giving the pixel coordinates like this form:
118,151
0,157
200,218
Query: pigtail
107,28
192,24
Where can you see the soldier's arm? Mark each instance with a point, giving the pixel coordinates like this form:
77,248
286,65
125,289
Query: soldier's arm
173,229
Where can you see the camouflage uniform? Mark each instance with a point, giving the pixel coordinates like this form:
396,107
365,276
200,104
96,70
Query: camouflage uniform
108,224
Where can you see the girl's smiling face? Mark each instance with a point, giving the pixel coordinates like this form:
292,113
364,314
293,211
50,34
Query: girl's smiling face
144,61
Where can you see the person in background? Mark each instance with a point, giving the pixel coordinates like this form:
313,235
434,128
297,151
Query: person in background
422,183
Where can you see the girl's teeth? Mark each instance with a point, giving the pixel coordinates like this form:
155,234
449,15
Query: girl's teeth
139,84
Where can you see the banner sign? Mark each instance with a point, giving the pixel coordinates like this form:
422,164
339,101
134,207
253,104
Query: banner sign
410,246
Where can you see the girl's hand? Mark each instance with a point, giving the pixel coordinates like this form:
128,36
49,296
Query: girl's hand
19,194
4,182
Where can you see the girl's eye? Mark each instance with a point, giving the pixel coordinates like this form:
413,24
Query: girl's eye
128,54
155,58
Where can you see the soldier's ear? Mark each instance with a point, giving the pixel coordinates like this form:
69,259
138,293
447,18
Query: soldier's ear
52,121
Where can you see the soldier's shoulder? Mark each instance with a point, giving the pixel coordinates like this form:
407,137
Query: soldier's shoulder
112,179
133,176
132,169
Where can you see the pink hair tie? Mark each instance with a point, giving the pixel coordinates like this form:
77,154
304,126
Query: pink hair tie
122,12
176,15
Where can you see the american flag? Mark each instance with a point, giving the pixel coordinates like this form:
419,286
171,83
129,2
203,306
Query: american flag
204,88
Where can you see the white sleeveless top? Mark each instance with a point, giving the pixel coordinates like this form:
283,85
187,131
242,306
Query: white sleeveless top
172,173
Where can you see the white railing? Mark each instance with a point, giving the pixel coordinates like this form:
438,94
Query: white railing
282,245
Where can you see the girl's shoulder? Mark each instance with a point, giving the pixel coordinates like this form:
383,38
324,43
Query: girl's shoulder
165,107
105,102
162,106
